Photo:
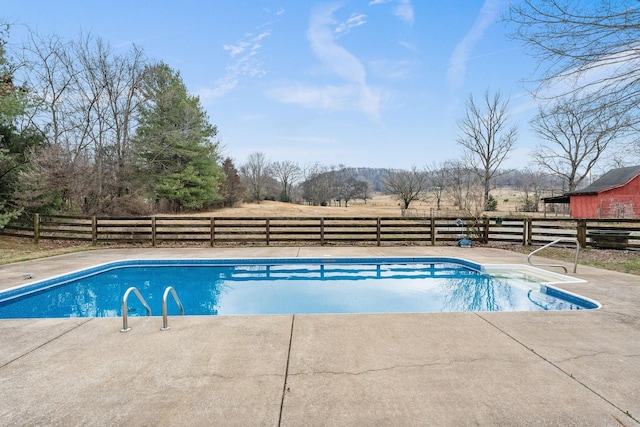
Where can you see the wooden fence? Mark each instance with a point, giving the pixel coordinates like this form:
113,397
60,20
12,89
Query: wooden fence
214,231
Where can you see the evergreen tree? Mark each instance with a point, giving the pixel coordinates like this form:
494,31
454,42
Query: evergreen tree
176,158
14,142
232,190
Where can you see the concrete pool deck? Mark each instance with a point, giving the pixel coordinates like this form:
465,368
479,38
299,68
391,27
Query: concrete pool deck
525,368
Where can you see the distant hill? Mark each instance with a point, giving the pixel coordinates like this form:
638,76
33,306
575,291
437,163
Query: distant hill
512,178
374,176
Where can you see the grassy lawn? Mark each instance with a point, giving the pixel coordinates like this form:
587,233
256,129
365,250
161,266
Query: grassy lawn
15,250
629,264
609,259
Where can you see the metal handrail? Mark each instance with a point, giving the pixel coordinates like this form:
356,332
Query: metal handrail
562,239
125,325
165,321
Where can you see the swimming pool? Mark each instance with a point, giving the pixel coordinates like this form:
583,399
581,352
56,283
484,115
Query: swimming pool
294,286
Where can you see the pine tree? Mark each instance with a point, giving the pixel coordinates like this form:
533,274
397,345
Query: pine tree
176,157
14,142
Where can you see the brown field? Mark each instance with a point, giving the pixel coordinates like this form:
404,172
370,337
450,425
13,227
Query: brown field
377,206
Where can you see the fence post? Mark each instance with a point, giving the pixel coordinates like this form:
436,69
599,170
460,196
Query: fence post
36,228
321,231
527,232
153,231
212,228
433,231
94,230
378,230
267,230
486,229
581,232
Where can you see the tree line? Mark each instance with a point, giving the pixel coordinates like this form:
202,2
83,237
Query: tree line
92,131
453,183
88,129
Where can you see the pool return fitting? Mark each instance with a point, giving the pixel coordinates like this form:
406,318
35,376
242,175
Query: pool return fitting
165,321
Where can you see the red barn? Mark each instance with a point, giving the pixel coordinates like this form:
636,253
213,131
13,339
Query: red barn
616,194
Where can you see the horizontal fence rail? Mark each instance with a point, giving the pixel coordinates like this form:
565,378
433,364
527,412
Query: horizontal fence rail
158,230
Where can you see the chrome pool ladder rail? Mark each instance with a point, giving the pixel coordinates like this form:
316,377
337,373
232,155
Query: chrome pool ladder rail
165,321
125,324
562,239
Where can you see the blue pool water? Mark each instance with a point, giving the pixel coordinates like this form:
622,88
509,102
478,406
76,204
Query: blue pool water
283,286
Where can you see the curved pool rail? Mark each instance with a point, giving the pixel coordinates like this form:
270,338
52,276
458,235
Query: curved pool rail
125,324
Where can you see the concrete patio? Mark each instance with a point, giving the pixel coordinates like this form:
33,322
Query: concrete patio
441,369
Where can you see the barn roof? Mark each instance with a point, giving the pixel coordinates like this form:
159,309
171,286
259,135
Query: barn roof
612,179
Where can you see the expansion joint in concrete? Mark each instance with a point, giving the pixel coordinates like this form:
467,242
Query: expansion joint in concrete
44,344
568,374
286,372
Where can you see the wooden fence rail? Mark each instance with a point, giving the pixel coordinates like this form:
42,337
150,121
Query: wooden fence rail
156,230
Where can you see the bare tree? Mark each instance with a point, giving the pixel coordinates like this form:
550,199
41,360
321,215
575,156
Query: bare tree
84,99
288,173
49,72
438,181
256,175
406,186
52,181
464,188
584,48
351,188
319,184
486,138
365,190
577,136
531,189
108,87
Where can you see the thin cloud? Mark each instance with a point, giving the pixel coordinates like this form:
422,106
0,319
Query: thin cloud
340,61
278,12
236,49
223,86
334,57
328,97
353,22
395,70
248,42
489,14
403,9
336,61
245,64
408,45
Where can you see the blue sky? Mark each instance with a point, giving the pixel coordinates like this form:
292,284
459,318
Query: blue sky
363,83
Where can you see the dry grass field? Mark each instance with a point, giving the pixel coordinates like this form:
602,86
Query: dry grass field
377,206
